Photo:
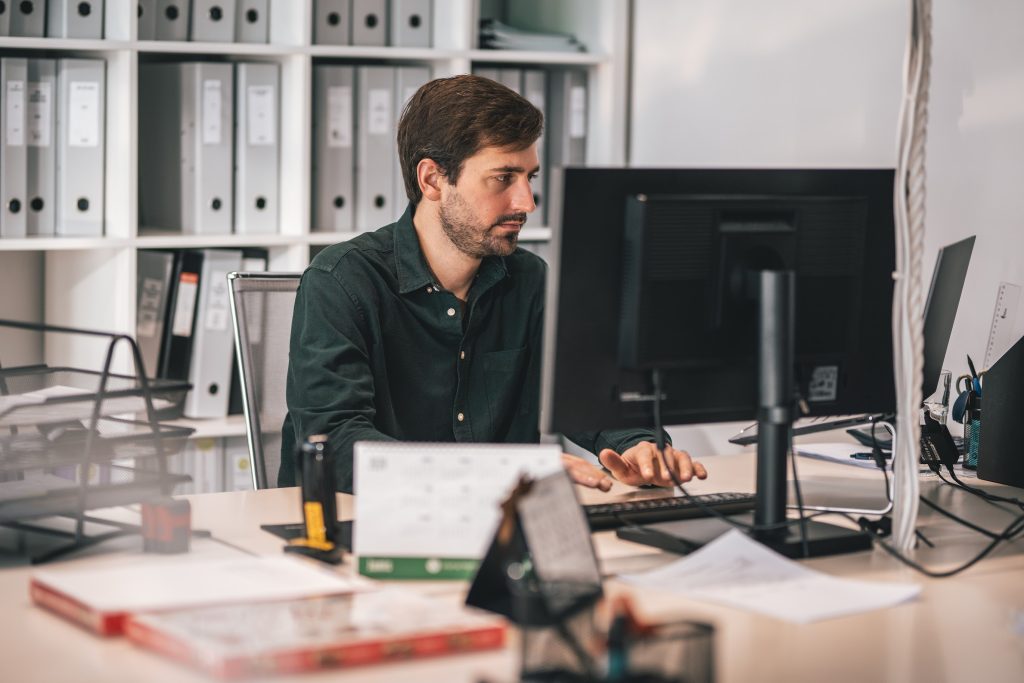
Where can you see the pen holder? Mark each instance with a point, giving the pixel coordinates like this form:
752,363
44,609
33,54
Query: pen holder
675,651
972,431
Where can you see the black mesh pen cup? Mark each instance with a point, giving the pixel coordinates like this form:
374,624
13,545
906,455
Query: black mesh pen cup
972,431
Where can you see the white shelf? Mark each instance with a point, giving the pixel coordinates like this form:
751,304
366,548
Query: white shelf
530,57
232,425
91,282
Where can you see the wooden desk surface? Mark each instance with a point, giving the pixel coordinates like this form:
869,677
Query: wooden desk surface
967,628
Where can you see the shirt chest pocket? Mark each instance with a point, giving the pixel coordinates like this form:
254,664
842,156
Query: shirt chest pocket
504,379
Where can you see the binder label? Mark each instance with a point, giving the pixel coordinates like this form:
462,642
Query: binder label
185,304
577,111
339,116
15,113
218,308
379,112
262,122
84,114
149,307
40,120
212,105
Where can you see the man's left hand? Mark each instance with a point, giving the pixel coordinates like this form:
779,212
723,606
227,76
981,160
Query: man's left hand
642,464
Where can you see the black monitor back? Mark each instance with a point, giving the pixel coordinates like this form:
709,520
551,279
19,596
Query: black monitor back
940,310
650,269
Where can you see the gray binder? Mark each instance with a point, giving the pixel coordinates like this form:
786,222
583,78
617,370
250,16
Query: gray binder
155,269
375,147
213,21
511,79
146,17
333,148
412,23
5,20
370,22
535,85
257,148
28,17
74,18
81,97
408,80
172,19
212,341
332,22
185,160
486,72
567,121
13,78
41,151
251,21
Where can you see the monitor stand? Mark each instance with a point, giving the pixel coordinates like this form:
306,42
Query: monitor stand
776,304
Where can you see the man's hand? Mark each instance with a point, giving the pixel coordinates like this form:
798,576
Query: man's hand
642,464
582,472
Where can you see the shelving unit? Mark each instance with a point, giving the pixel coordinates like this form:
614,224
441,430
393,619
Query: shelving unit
90,282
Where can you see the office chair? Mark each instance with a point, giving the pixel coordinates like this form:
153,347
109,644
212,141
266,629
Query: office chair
261,312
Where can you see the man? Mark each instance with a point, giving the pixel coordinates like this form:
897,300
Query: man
430,328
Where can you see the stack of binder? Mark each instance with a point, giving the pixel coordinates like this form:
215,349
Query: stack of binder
209,147
373,23
52,151
357,181
183,322
214,21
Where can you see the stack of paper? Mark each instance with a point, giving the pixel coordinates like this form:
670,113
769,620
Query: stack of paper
737,571
495,35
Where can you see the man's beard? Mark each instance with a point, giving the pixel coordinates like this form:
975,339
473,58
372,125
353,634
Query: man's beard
472,238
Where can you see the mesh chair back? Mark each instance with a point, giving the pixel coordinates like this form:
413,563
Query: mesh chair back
261,311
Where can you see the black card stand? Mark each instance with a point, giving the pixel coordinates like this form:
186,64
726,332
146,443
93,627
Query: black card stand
506,583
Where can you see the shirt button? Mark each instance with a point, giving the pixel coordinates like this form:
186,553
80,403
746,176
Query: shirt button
461,417
451,312
430,289
462,355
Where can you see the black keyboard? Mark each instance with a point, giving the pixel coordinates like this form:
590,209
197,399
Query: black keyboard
602,516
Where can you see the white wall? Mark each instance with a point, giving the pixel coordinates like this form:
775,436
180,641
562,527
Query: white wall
810,83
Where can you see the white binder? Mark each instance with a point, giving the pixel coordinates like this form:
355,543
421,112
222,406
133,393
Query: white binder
186,160
81,85
74,19
146,17
408,80
375,146
251,21
13,83
28,18
567,123
213,21
412,23
172,19
212,342
486,72
535,85
332,22
370,22
257,147
333,148
511,79
41,152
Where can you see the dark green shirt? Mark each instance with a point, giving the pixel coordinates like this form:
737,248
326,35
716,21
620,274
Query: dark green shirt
380,351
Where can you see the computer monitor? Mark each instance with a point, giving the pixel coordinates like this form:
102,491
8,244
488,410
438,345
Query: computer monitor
724,282
654,270
940,310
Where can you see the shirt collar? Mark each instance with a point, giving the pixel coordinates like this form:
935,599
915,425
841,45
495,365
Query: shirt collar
411,265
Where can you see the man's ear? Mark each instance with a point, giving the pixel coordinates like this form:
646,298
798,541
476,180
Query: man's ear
430,177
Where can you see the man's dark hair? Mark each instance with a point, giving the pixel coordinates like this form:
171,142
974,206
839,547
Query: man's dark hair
451,119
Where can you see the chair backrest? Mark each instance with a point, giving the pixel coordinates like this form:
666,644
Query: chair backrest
261,312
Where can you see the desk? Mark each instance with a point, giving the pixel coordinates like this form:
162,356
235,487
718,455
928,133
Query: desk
967,628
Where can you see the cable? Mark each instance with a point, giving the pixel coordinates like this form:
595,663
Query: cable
959,520
799,497
980,493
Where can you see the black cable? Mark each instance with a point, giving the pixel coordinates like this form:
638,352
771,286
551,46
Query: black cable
799,496
659,440
983,494
959,520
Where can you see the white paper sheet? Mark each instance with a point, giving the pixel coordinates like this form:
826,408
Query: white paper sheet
737,571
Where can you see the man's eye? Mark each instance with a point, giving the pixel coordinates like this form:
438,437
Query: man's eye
503,178
532,177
